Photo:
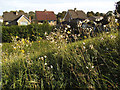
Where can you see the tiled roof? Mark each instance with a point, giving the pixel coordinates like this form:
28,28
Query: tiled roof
45,15
77,14
11,16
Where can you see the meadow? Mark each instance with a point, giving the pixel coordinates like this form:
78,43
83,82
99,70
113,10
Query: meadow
59,62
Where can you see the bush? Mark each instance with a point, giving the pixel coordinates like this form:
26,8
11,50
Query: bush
30,31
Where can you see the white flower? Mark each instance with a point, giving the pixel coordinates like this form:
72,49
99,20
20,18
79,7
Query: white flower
51,66
45,56
42,58
91,46
86,67
84,47
92,66
83,43
45,33
45,63
0,44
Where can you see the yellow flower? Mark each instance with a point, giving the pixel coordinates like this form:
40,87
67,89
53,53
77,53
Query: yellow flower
17,44
16,36
22,51
39,41
14,48
68,32
28,41
39,33
85,37
32,35
40,38
117,24
22,39
5,59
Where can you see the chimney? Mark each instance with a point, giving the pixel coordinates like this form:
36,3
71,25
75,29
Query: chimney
16,13
45,10
75,9
30,18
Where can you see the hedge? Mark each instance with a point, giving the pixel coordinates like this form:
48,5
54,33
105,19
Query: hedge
30,31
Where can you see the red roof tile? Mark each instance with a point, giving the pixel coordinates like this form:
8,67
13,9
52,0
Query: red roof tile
45,15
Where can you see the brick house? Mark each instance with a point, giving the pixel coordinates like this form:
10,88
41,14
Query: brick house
15,18
41,16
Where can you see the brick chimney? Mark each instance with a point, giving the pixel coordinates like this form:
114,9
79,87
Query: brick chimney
30,18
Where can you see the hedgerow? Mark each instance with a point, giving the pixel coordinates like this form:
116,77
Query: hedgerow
29,31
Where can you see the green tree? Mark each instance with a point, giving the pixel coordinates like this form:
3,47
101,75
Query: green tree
118,7
91,13
97,14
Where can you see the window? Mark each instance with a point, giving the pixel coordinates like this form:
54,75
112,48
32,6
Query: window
24,23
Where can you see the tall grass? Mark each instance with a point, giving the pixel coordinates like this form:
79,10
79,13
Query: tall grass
90,63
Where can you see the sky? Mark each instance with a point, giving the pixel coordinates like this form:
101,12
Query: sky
101,6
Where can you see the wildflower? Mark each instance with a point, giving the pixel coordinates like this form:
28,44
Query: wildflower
51,66
42,58
68,32
85,37
0,44
39,33
45,56
40,38
14,48
32,35
5,59
92,66
48,68
91,46
22,39
16,36
84,47
83,43
28,41
45,64
22,51
45,33
117,24
102,38
86,67
39,41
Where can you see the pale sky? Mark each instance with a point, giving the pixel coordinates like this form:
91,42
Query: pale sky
101,6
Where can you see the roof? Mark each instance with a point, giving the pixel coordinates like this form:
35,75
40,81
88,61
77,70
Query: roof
45,15
11,16
94,18
24,17
77,14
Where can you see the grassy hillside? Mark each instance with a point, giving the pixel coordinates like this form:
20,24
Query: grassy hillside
89,63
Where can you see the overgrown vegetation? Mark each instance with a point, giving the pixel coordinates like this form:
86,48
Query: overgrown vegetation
90,63
30,31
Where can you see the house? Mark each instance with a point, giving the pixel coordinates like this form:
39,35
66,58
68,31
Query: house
1,19
95,18
41,16
15,18
75,15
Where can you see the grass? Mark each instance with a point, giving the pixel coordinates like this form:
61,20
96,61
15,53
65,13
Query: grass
90,63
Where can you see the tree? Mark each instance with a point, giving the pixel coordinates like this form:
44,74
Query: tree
90,14
21,11
118,7
97,14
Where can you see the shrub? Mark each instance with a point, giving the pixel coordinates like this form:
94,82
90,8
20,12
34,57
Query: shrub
30,31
